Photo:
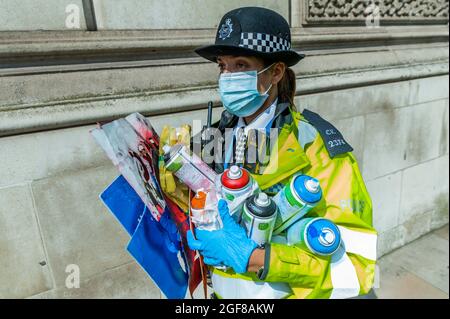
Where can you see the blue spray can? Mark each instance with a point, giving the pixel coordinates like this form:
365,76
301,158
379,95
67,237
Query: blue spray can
295,200
318,235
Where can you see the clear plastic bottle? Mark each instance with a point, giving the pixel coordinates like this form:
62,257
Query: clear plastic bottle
204,211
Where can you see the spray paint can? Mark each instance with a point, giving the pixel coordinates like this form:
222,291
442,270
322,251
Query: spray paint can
318,235
258,217
295,200
190,169
237,185
205,219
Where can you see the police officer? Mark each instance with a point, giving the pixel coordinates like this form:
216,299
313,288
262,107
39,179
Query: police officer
257,87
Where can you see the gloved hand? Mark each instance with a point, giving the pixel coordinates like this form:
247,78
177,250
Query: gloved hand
227,246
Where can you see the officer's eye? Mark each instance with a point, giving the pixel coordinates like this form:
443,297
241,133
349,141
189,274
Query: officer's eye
241,65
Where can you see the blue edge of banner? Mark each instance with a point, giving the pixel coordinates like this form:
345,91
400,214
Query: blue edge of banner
156,246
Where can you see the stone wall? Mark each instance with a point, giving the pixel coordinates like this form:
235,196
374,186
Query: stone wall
385,88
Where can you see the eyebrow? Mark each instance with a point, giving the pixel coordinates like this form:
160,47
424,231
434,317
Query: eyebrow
238,58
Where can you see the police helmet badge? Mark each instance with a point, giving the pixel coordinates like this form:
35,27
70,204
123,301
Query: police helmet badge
226,29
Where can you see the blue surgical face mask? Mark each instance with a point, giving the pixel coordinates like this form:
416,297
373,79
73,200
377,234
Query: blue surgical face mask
239,92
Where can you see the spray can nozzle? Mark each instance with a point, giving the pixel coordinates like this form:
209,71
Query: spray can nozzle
166,149
262,200
327,237
166,155
312,185
234,172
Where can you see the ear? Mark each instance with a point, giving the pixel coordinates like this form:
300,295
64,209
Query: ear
277,72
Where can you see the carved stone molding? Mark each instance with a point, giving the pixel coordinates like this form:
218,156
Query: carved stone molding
387,11
35,102
56,51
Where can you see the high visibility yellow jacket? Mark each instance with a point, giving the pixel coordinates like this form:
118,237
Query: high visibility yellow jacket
290,271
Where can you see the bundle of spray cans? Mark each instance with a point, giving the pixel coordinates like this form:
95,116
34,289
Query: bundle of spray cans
264,217
261,215
318,235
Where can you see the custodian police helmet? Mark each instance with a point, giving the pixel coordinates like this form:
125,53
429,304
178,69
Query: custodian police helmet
253,31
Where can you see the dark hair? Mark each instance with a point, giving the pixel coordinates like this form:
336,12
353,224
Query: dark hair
286,86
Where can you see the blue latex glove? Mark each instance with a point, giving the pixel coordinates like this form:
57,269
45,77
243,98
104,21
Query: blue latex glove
227,246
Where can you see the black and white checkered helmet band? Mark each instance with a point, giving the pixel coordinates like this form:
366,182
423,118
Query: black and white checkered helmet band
262,42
